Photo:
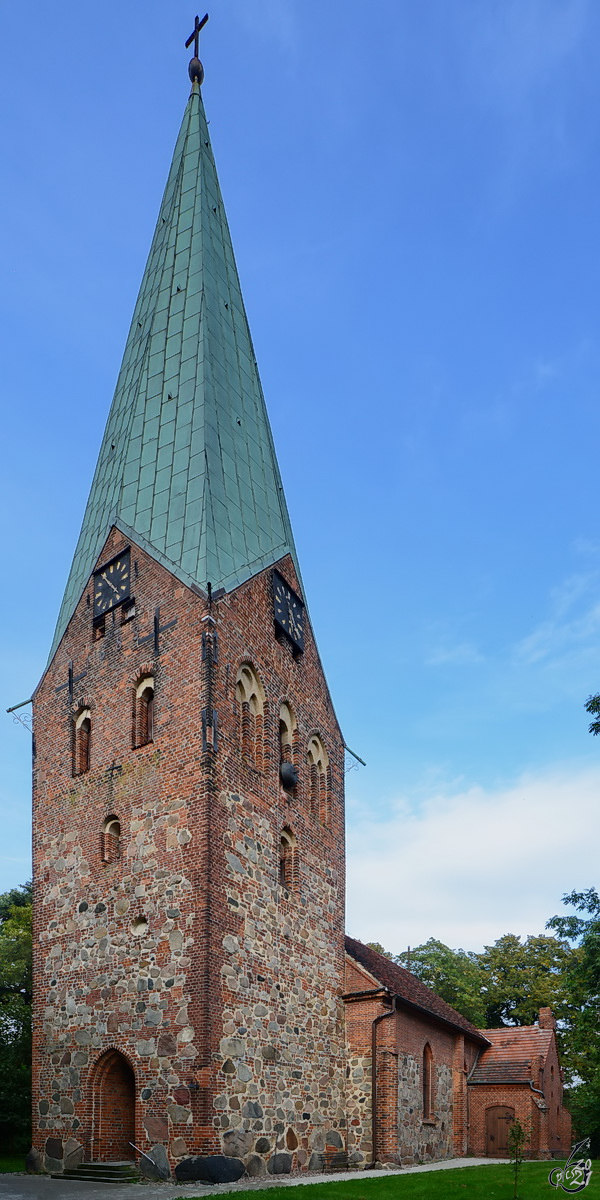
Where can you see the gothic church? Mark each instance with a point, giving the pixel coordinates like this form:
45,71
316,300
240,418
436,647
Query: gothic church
191,978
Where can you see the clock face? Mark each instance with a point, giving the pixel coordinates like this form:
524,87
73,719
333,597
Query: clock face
288,611
112,584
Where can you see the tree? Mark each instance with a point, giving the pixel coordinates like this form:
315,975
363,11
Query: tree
506,984
19,897
592,706
518,1137
454,975
580,1034
15,1018
519,978
380,950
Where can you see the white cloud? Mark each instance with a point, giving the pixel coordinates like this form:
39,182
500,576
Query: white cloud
564,632
473,865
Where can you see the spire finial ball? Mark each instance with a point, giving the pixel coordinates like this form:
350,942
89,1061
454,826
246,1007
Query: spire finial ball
196,71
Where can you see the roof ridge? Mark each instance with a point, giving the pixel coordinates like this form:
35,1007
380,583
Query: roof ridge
399,981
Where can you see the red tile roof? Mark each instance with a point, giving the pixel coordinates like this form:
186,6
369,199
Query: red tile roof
511,1054
407,987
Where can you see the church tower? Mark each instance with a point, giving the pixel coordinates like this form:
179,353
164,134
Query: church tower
188,778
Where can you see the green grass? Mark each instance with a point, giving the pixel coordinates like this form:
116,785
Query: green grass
476,1183
11,1162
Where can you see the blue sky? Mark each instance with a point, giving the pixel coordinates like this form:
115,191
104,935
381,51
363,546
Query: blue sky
413,198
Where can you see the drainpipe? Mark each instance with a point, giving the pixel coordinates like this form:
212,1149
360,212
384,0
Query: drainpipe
530,1082
477,1056
374,1130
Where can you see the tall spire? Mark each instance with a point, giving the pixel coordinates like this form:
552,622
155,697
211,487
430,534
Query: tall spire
187,467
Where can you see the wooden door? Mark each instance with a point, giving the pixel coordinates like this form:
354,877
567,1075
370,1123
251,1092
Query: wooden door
497,1121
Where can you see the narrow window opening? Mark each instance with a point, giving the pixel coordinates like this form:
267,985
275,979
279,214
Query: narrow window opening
147,716
288,860
285,749
427,1083
82,742
127,611
288,742
111,840
251,699
143,727
247,731
320,780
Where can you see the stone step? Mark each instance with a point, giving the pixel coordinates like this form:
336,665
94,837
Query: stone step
117,1162
96,1177
121,1168
110,1172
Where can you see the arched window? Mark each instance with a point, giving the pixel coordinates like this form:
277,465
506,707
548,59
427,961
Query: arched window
320,780
82,742
111,840
288,748
427,1083
143,720
251,699
288,860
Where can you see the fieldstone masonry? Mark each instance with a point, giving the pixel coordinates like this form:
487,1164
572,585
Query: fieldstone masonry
274,1023
419,1141
185,964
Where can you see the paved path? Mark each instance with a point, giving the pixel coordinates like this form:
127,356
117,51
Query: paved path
41,1187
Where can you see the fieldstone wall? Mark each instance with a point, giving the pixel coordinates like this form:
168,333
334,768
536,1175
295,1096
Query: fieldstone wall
418,1140
281,1057
358,1102
114,960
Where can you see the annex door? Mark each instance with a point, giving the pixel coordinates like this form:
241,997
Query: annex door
114,1109
497,1120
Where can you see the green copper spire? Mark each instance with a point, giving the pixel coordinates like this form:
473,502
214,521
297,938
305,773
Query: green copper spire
187,467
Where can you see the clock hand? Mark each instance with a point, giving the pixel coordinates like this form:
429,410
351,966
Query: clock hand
110,584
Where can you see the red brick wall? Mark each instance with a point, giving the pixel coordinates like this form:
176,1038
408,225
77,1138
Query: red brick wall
518,1097
544,1115
231,986
559,1121
403,1134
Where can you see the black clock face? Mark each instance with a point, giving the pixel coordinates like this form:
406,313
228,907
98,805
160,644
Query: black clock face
112,584
288,611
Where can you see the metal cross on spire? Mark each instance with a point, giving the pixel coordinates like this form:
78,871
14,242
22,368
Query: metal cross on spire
195,69
195,36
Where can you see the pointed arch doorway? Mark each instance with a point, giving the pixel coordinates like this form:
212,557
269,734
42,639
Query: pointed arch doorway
113,1099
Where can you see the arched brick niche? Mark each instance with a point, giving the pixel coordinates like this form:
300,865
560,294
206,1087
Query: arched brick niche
113,1093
